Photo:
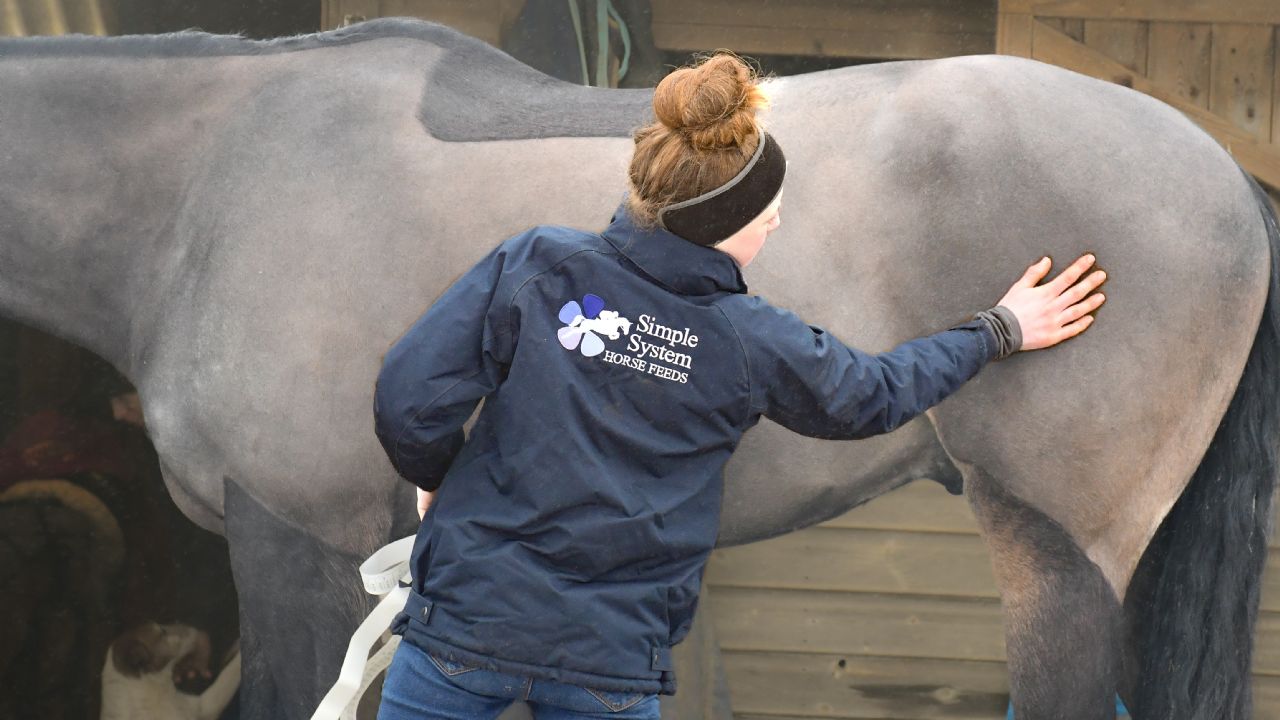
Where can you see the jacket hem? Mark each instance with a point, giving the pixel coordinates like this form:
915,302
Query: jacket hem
412,633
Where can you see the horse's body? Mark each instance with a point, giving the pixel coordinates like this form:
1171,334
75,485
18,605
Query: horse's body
243,229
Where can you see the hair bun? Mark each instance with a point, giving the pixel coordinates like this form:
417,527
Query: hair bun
713,104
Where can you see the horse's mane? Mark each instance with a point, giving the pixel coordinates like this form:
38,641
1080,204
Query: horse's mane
197,43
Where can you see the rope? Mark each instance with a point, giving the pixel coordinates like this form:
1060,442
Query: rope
577,34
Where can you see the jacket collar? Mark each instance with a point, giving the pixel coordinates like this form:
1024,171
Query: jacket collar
675,263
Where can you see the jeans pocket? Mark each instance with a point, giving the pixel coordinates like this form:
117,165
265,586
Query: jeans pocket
452,668
616,701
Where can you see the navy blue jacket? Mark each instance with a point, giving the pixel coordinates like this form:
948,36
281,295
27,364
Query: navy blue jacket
619,370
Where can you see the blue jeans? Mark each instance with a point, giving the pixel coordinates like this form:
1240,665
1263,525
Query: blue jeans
424,686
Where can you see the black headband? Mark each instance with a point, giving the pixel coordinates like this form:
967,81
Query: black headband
715,215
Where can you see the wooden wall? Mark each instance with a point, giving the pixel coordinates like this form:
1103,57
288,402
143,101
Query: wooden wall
872,29
1213,59
483,19
56,17
889,611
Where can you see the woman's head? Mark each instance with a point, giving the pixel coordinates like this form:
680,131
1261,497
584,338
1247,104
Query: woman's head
705,135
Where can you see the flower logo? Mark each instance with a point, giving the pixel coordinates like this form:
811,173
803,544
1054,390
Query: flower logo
586,322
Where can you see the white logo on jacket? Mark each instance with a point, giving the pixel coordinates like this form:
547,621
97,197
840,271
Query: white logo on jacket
584,320
608,324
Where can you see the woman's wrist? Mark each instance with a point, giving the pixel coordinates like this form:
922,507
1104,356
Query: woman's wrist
424,501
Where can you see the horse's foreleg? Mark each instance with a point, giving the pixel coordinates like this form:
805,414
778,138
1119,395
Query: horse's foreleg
299,604
1063,623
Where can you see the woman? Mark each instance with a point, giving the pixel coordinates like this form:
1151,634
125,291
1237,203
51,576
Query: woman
562,559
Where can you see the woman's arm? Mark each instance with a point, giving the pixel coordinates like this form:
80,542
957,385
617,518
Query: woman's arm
433,377
807,380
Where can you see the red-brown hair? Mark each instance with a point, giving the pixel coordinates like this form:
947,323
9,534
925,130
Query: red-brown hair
705,132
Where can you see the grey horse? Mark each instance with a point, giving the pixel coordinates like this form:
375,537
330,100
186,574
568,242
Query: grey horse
243,228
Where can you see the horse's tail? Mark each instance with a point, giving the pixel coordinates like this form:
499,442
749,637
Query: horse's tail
1198,583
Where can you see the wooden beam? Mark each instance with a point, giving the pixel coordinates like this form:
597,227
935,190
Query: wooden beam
11,20
962,17
822,42
85,16
1021,7
55,18
871,624
789,686
1262,12
96,19
1013,34
879,561
43,17
1073,27
1259,158
917,626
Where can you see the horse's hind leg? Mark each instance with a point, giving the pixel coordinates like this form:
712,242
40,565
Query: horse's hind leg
1063,624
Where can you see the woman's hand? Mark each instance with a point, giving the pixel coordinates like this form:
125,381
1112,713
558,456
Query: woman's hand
424,502
1057,310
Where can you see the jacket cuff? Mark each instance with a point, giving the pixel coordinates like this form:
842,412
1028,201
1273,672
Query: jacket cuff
1004,326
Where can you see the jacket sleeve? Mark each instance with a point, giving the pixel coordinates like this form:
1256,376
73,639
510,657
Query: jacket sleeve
433,377
805,379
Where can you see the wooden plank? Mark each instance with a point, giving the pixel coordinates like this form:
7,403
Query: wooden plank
1266,651
85,16
1178,59
882,561
44,17
1022,7
1013,34
1260,159
815,685
966,17
752,619
860,623
11,20
1266,698
1263,12
481,20
1124,41
923,505
823,42
848,686
1243,66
